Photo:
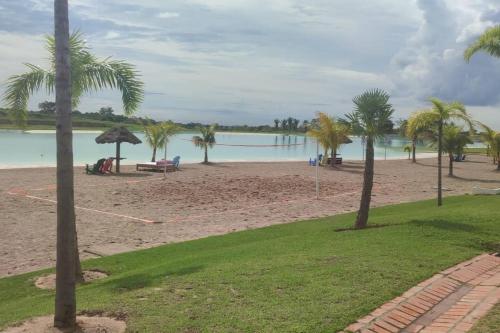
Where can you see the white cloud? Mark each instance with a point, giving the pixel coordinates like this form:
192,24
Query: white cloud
167,15
112,35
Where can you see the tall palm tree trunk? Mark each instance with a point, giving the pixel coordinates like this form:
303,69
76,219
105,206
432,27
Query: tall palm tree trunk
65,300
440,163
450,166
414,150
154,154
366,195
206,155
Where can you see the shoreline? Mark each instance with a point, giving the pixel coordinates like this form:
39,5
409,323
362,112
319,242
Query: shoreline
131,163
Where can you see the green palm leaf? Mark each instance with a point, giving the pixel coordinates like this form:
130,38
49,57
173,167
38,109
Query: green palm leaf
488,42
88,74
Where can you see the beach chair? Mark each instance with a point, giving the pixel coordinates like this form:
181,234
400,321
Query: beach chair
107,166
172,165
176,161
96,168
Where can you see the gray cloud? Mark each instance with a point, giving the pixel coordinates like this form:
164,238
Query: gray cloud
432,64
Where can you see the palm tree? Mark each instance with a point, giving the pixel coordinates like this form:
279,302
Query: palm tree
435,120
454,142
88,74
155,137
372,111
492,139
488,42
330,133
306,125
65,300
206,140
276,123
408,149
284,124
169,129
414,131
290,124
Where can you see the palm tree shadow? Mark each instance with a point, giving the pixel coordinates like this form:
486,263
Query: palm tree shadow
143,280
352,166
427,165
358,172
444,225
132,174
485,181
213,164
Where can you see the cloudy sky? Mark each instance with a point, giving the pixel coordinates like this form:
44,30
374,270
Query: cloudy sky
250,61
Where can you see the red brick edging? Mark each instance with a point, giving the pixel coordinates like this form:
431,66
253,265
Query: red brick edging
451,301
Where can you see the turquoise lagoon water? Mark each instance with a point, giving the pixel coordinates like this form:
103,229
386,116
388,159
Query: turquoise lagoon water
37,148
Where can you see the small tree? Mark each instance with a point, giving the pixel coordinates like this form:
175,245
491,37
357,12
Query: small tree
155,138
454,142
492,139
206,140
169,129
415,131
276,124
408,149
158,135
330,133
106,112
47,107
370,117
434,120
284,124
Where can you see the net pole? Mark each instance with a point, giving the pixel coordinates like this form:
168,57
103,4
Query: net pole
165,161
317,169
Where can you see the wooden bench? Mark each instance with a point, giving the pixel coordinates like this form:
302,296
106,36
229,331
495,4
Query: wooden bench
338,160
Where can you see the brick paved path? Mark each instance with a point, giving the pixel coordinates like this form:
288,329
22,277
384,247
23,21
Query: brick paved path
449,302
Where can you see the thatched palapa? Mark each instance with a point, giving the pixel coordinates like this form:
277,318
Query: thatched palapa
118,135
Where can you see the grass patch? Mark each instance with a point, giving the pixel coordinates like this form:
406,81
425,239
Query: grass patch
476,151
490,323
299,277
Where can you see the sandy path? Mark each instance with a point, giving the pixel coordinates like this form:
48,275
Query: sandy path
200,201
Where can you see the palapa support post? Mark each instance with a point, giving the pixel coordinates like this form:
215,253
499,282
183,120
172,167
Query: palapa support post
117,157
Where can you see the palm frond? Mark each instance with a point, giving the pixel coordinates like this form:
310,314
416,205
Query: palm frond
21,87
155,136
488,42
207,138
372,111
115,75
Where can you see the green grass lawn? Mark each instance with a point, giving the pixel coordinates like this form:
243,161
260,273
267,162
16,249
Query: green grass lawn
476,150
490,323
299,277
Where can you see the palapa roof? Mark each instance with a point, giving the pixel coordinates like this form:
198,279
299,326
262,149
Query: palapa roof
118,134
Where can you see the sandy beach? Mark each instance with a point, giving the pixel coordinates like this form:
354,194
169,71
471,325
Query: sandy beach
141,209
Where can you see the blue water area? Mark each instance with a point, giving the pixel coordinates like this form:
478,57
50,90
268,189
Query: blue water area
38,148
